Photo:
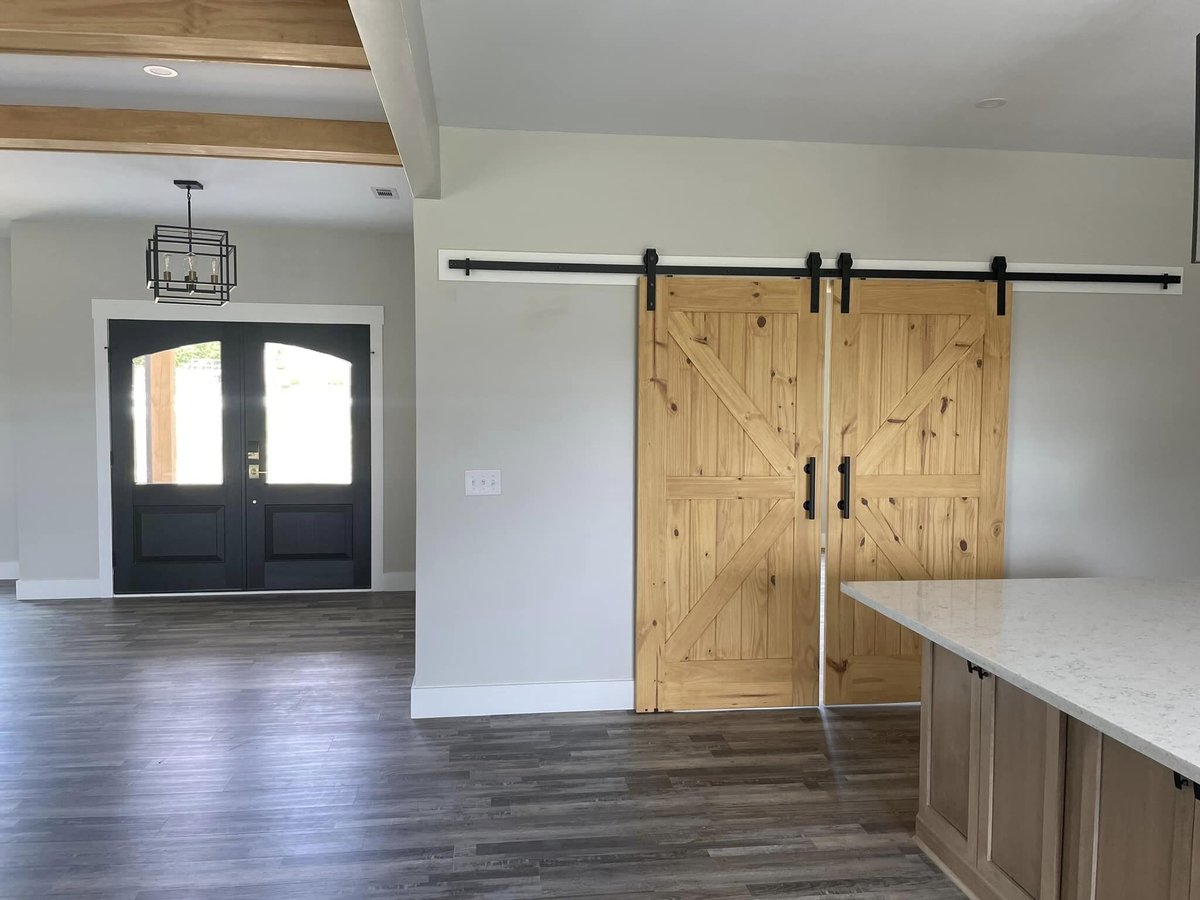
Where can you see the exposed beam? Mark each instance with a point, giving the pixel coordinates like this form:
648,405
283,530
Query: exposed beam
393,33
282,32
195,134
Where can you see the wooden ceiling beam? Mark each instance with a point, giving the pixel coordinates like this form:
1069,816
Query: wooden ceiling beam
279,32
195,134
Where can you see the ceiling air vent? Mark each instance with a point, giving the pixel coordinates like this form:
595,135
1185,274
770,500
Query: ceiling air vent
385,193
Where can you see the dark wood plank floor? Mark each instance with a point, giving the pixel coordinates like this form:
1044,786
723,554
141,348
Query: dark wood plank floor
262,748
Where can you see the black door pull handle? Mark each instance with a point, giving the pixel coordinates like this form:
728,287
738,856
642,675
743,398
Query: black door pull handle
810,472
844,470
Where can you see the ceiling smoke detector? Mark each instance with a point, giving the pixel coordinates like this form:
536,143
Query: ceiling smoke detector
160,71
990,103
385,193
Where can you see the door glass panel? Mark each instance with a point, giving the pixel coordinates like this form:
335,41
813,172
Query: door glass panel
177,416
308,416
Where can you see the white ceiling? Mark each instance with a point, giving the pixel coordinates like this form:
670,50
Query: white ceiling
39,185
1087,76
114,83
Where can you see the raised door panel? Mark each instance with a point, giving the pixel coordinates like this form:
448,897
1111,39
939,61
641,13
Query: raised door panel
1144,828
1128,830
1022,747
918,420
730,382
947,811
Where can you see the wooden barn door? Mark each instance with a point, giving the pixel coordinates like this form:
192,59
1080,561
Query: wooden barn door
730,375
918,417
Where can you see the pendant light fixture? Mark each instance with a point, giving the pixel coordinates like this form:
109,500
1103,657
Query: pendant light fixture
192,266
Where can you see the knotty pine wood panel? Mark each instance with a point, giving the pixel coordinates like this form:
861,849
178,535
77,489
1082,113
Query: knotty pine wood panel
734,444
923,419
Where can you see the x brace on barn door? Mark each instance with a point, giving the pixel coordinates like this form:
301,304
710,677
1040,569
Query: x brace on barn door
813,269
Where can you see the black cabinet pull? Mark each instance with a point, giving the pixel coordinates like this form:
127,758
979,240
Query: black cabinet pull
810,472
978,670
844,471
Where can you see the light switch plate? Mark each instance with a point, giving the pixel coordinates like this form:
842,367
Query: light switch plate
483,482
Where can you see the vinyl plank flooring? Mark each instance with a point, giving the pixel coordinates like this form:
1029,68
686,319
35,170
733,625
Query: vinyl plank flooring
260,748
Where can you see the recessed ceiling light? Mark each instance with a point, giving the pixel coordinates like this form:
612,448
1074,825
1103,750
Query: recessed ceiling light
160,71
990,103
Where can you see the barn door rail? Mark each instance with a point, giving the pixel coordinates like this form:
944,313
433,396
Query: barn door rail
844,270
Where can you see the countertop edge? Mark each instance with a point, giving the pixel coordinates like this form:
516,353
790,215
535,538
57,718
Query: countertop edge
1186,768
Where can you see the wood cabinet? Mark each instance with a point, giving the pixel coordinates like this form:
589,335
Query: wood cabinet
1130,829
992,781
1019,801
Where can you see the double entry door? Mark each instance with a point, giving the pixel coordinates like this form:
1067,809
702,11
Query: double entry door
240,456
754,451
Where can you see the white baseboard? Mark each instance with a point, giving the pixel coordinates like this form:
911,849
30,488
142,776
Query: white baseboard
399,581
507,699
66,589
9,570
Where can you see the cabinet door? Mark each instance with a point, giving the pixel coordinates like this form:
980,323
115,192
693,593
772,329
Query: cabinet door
1129,830
947,811
1022,748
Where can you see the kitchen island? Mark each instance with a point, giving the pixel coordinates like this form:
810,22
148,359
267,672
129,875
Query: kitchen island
1060,741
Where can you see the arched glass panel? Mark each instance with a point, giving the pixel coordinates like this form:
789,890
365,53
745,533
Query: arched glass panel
177,415
308,416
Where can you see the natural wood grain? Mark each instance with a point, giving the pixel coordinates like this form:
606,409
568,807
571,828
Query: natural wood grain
729,578
920,413
730,487
1022,742
731,393
880,296
732,295
282,32
741,404
1144,828
650,602
918,397
261,748
195,134
900,486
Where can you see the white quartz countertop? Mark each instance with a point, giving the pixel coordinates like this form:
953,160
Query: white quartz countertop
1119,654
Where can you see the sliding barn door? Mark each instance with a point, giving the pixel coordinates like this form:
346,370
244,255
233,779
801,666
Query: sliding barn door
917,436
728,547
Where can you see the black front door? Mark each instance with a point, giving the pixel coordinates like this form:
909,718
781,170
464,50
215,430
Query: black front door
241,456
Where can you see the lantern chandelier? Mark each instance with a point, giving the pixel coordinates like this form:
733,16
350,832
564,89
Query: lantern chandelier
193,266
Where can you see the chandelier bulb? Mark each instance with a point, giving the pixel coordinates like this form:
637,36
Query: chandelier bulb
214,271
167,267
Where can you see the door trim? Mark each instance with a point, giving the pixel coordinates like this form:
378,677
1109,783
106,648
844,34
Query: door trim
302,313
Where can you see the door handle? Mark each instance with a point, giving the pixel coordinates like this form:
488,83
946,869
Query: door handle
844,470
810,471
253,471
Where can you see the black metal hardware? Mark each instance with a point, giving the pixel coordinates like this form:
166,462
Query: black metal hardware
507,265
650,262
814,282
810,504
843,505
1182,782
467,267
1000,270
978,670
845,263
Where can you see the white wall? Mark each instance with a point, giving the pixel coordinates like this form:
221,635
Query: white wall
58,268
537,586
8,500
